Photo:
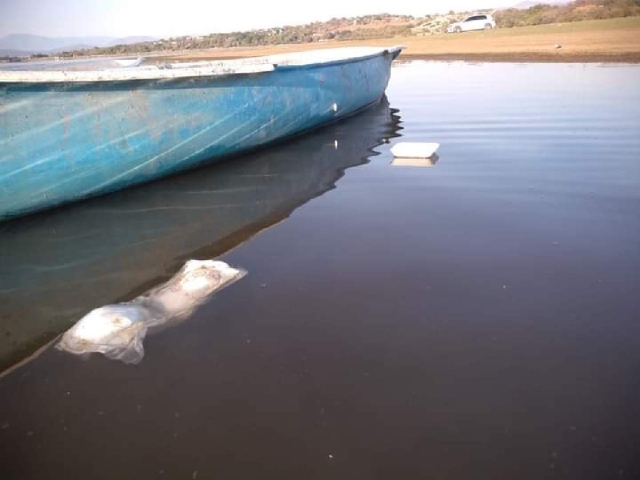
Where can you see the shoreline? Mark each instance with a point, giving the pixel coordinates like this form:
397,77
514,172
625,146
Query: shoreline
594,41
524,57
493,57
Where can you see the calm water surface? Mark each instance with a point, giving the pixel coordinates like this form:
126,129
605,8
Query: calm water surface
476,319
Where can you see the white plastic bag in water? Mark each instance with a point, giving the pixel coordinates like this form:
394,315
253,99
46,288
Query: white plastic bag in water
117,331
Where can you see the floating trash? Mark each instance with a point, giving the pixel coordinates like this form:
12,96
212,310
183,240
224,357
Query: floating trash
129,62
414,149
117,331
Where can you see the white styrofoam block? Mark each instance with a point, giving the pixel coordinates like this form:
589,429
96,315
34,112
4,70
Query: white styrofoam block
414,149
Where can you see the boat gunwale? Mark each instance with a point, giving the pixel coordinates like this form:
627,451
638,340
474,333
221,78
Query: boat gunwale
248,66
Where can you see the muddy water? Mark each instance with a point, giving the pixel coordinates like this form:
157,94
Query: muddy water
473,319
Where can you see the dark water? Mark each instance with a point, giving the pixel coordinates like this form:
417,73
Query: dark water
476,319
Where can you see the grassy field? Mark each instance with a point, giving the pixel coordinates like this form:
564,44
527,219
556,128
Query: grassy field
595,40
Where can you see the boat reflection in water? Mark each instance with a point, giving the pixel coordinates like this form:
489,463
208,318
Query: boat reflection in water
56,266
415,162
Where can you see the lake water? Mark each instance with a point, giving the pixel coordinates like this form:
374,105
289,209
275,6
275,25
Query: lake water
478,318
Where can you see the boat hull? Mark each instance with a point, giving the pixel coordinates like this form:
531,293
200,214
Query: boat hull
67,141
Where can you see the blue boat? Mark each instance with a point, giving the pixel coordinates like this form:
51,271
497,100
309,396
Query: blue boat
74,133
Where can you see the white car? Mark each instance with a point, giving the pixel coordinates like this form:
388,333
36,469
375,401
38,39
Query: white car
474,22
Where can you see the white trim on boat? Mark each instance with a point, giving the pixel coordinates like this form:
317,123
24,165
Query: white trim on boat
71,73
123,74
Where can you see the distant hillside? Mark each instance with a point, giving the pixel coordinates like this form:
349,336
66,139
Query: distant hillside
355,28
532,3
128,41
26,44
385,26
337,29
544,13
5,52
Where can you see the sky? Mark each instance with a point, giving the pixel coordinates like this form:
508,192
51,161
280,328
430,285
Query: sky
165,18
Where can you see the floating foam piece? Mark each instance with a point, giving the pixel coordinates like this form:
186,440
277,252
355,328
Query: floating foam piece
414,149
